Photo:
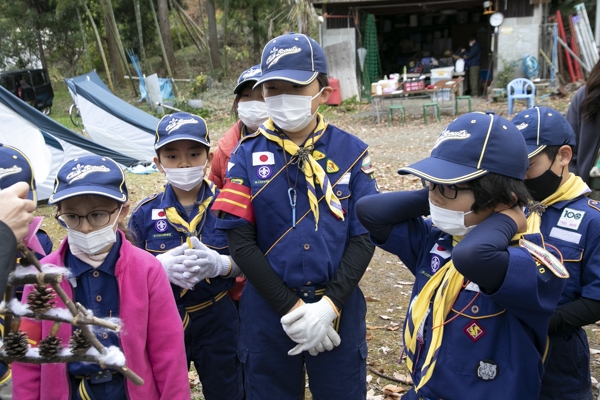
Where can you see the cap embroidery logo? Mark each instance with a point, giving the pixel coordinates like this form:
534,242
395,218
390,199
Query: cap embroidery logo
4,172
522,126
276,54
251,73
449,135
177,123
81,171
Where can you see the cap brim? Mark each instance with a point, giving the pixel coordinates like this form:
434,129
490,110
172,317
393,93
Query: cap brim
82,190
289,75
178,138
442,172
239,85
534,150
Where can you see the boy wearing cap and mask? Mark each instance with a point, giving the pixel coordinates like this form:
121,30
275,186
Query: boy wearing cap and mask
477,322
177,227
15,167
570,222
288,208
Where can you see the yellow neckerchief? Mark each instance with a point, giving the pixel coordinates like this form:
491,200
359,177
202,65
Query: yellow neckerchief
189,229
311,168
446,284
571,189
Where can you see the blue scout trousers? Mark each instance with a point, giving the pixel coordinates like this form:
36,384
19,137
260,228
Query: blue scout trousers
211,343
269,373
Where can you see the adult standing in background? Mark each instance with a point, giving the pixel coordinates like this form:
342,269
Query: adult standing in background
584,117
473,61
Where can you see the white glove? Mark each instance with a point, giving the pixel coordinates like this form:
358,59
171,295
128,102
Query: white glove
210,262
177,272
329,342
307,325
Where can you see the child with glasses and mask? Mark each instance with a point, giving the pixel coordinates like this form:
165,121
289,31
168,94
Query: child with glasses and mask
177,227
112,278
570,221
485,287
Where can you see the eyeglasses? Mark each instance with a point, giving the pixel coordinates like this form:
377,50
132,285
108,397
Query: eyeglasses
97,218
448,191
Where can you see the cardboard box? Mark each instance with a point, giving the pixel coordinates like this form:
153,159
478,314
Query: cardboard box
384,85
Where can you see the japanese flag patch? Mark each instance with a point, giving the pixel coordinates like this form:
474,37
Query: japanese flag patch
263,158
158,213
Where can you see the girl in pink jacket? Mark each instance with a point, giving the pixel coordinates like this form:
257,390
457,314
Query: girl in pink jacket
112,278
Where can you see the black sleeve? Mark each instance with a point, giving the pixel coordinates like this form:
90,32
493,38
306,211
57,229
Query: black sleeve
255,266
354,262
380,212
574,314
8,255
482,255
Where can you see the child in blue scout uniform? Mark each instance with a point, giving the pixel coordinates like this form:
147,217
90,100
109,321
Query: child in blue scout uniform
177,222
112,278
570,222
288,208
15,167
477,323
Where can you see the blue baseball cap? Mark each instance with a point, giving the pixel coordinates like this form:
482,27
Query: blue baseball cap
293,58
543,126
93,175
15,167
250,75
181,126
471,146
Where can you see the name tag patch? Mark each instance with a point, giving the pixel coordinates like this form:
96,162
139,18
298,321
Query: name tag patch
570,218
567,236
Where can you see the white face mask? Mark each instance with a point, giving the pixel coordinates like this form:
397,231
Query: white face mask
252,113
93,242
291,113
449,221
185,178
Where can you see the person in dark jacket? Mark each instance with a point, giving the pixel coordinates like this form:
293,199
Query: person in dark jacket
473,61
584,117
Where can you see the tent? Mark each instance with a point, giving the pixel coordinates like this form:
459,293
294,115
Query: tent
90,76
46,143
112,122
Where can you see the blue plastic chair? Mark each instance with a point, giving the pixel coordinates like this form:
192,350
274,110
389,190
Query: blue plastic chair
519,89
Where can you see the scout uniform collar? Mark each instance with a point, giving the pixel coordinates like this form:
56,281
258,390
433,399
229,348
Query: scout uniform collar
313,171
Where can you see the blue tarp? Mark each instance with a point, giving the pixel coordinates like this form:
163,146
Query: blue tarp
166,88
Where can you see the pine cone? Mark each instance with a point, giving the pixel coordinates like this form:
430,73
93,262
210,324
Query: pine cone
15,344
50,346
78,343
41,299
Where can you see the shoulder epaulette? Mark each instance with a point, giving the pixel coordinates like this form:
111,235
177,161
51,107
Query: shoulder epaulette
252,135
146,200
594,204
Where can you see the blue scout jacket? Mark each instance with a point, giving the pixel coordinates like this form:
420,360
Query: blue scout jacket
494,346
154,233
256,190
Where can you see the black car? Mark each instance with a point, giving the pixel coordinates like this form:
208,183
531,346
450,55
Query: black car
30,85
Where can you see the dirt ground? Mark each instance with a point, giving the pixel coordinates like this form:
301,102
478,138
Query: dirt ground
386,284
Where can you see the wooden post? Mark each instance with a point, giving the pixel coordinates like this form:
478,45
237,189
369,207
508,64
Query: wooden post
85,43
138,21
187,63
162,47
99,42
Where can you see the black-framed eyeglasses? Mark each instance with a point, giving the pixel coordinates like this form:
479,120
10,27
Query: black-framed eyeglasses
448,191
97,218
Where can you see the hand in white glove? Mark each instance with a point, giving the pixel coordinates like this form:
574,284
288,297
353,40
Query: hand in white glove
330,341
307,325
210,262
173,263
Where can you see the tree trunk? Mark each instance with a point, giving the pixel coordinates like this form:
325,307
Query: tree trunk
38,36
256,33
225,33
165,30
138,22
202,24
113,53
213,41
99,42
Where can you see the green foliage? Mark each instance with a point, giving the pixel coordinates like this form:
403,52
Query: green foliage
199,85
182,104
507,73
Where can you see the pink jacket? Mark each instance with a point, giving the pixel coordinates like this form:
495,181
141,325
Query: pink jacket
218,167
151,336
